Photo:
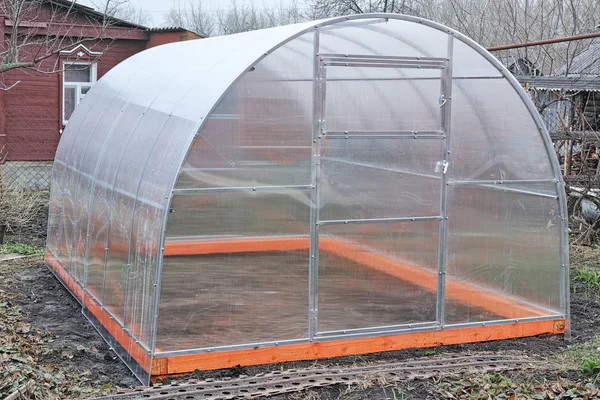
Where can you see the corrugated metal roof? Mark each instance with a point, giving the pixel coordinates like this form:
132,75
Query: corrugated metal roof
85,10
586,63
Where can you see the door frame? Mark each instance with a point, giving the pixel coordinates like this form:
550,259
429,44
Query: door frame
321,63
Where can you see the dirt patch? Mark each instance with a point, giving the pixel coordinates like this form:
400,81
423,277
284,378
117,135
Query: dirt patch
67,345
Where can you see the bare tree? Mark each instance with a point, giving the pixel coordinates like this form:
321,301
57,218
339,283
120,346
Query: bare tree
240,16
39,30
333,8
192,15
122,9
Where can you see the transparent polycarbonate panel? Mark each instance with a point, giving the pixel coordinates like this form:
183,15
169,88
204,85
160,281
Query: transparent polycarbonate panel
371,182
101,133
239,214
113,159
505,243
158,176
122,206
379,36
408,156
260,133
467,62
233,299
229,298
74,161
382,105
373,275
492,142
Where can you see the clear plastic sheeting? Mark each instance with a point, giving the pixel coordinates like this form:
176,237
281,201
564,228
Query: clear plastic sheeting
347,178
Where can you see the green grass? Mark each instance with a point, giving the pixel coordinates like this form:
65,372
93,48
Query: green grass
20,248
589,278
590,366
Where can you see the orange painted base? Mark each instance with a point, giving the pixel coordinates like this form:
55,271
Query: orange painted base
338,348
456,291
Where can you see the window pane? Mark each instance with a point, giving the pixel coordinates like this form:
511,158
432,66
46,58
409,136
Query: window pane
78,73
70,101
84,90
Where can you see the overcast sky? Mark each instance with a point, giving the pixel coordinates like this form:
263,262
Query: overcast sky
158,9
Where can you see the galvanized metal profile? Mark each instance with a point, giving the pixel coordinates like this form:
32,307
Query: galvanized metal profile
189,191
376,65
379,220
385,133
215,349
324,56
380,167
349,61
379,329
401,136
400,78
446,125
317,127
499,182
368,334
502,188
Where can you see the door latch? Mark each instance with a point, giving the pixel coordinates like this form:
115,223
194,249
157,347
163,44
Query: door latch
442,166
442,100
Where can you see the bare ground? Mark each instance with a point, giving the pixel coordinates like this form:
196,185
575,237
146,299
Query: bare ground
57,348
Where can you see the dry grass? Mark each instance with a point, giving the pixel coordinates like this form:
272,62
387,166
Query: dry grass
309,395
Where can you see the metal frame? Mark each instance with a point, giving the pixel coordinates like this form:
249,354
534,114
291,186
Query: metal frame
318,127
362,61
377,62
446,91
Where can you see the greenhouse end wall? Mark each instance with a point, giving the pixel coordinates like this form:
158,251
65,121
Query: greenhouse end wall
337,187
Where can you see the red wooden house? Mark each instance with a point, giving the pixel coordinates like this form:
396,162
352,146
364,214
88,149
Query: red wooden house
36,108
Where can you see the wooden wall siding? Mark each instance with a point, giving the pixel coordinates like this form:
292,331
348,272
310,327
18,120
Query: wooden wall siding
32,109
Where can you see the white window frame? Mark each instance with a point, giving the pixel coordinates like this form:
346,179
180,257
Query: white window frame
77,85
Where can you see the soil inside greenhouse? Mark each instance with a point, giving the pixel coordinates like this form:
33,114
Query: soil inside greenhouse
75,362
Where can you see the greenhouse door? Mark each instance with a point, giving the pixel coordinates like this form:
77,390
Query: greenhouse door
380,174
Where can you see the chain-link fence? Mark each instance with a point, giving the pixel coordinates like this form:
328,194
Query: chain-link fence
29,144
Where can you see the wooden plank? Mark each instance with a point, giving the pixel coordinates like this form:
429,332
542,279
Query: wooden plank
250,245
339,348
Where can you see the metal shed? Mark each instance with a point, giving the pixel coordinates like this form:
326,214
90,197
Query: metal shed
346,186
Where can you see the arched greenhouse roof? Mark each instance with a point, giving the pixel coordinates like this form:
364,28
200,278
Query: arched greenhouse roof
168,128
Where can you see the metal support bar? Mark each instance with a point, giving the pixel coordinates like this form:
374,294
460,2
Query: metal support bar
378,220
502,188
387,58
400,133
414,136
375,65
501,182
380,329
189,191
446,93
317,116
351,60
379,167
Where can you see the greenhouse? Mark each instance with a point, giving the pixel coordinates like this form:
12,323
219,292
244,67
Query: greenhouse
338,187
